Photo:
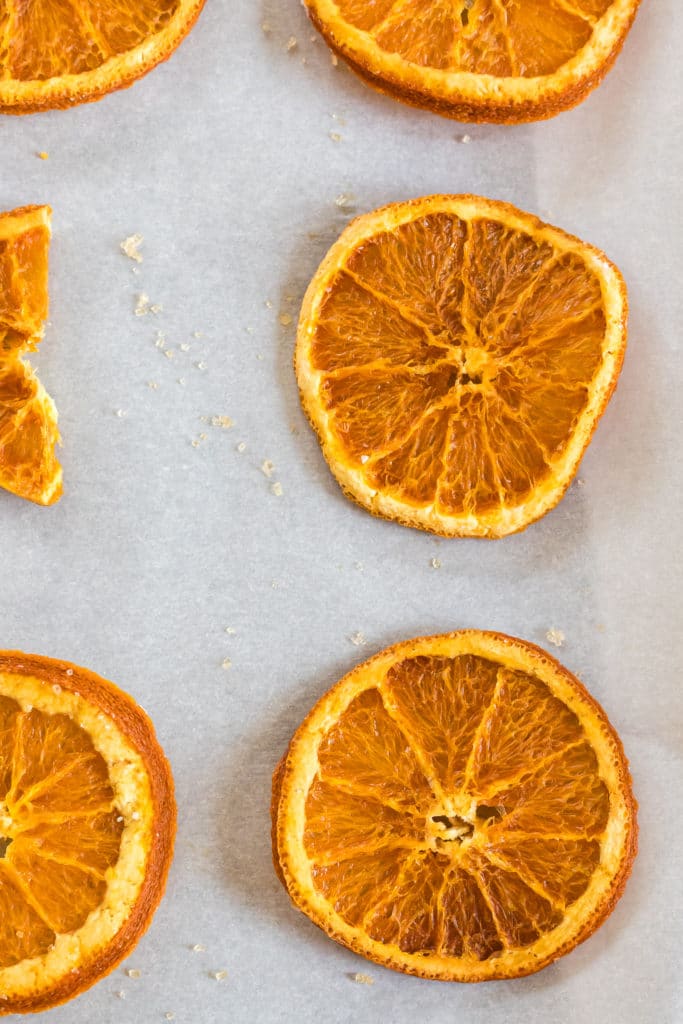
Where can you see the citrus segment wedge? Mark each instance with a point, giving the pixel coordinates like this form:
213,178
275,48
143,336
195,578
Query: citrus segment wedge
28,417
504,61
454,355
87,822
57,53
503,837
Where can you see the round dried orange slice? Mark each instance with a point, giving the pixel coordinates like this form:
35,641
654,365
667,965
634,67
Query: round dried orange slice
454,355
505,61
457,807
87,823
28,417
57,53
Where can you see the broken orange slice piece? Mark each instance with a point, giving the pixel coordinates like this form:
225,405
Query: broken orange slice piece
28,418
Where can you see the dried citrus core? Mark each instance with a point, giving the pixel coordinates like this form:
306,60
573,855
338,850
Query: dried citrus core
55,53
87,821
457,807
28,418
479,60
454,355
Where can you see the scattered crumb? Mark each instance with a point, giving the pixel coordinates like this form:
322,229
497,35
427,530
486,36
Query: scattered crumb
181,380
132,972
160,339
555,636
120,995
43,155
156,308
580,482
268,304
291,44
198,948
226,663
285,319
142,304
169,353
276,488
219,975
601,627
335,136
250,330
230,630
152,384
265,27
435,563
195,442
222,421
241,447
120,413
358,639
184,347
359,566
276,584
169,1016
200,365
129,246
338,118
197,334
362,979
259,356
203,437
267,467
335,59
465,139
343,199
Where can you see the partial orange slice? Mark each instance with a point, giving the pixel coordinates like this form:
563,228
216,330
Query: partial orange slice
57,53
479,60
457,807
87,822
454,356
28,418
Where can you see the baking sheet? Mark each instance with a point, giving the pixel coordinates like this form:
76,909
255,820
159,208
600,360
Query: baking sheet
224,161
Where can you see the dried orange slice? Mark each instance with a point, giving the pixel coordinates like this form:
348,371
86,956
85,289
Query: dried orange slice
457,807
506,61
87,822
57,53
28,418
454,356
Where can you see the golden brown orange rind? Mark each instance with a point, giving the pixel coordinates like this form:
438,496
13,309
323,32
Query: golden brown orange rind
478,97
352,474
106,51
28,417
144,800
300,767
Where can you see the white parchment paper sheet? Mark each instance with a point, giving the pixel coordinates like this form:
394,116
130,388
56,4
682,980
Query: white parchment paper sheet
224,161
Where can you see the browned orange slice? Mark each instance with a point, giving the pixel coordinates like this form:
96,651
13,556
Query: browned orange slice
454,355
28,418
457,807
479,60
56,53
87,822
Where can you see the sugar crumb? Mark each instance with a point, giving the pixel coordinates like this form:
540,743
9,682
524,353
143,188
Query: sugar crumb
343,200
198,948
120,995
184,347
362,979
555,637
222,421
359,566
169,353
120,413
276,488
152,384
226,663
241,447
197,334
267,467
142,304
129,246
200,365
219,975
230,630
358,639
266,27
169,1016
435,563
291,44
465,139
335,136
132,972
285,319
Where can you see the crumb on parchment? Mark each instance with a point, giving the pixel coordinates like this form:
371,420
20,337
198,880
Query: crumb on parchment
132,972
276,488
358,639
219,975
198,948
555,637
435,563
267,467
222,421
285,319
129,246
362,979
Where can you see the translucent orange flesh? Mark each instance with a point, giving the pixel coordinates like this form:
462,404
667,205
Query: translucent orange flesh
458,810
456,358
28,424
48,38
59,829
493,37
